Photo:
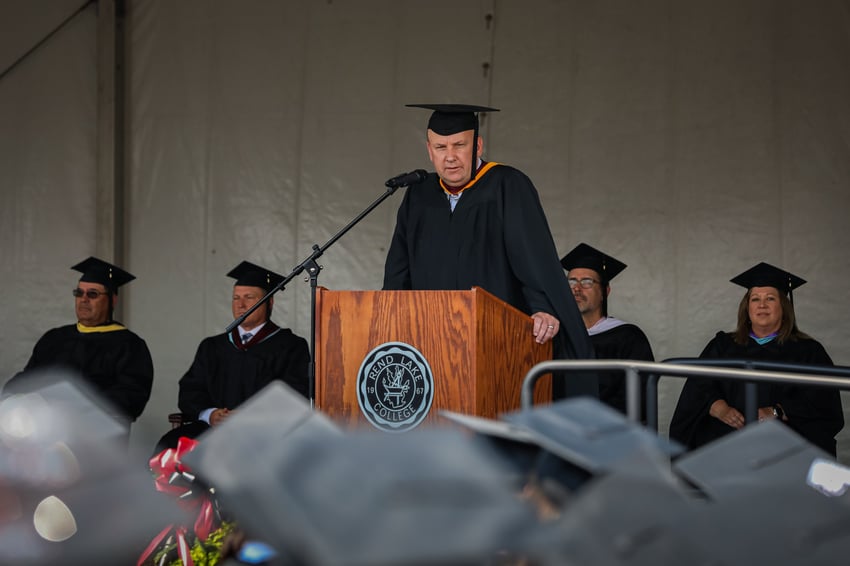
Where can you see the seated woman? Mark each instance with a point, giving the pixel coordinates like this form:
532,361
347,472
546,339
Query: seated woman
767,331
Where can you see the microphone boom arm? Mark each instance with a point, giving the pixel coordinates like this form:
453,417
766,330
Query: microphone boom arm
309,264
313,268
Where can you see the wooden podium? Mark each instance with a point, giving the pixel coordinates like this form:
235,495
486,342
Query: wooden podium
374,350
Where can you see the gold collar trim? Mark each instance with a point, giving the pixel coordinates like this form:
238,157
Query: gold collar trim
104,328
487,166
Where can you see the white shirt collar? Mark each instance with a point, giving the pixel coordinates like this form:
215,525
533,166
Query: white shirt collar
605,324
253,331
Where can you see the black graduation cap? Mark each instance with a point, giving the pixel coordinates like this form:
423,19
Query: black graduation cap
587,257
448,119
766,275
251,275
96,270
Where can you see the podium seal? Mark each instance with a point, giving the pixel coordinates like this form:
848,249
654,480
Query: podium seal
395,387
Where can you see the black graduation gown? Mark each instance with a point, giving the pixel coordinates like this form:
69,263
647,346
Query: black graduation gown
624,342
813,412
117,364
224,374
498,239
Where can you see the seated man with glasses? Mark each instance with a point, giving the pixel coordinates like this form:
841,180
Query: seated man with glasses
589,273
114,361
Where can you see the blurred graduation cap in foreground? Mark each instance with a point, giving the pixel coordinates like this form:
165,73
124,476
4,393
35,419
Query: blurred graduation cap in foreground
39,409
556,449
429,496
256,435
513,444
638,514
761,454
320,496
791,525
69,493
583,437
602,484
763,501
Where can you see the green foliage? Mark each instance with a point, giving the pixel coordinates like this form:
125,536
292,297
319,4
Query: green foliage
204,553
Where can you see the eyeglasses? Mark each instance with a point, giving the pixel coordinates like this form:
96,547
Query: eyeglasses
90,293
585,282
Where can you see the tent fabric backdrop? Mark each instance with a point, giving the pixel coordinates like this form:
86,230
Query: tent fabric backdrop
48,108
689,139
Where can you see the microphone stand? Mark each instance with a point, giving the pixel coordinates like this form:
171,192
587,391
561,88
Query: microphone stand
312,268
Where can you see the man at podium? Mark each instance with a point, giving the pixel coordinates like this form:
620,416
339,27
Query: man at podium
479,223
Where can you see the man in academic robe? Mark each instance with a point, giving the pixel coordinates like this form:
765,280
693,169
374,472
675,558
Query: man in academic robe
589,274
114,361
476,223
230,368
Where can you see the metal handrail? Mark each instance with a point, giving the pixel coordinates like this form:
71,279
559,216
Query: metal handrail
750,391
835,376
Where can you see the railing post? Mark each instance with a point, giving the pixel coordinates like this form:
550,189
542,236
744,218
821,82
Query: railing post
633,394
751,407
652,402
526,399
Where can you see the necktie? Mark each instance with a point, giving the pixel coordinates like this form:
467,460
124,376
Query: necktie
246,337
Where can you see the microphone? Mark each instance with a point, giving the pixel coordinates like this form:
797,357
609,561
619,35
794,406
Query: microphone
406,179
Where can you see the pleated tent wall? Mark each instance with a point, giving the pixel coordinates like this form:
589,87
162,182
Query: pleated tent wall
688,139
48,109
